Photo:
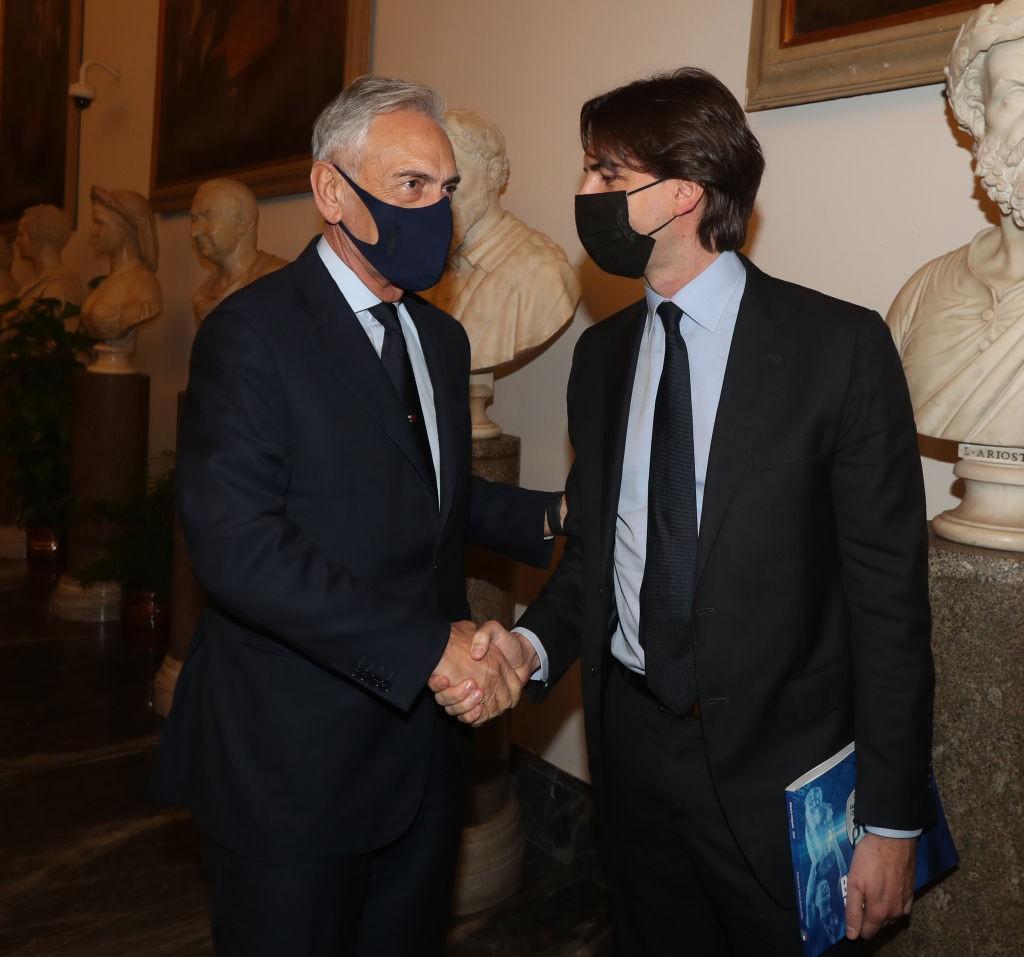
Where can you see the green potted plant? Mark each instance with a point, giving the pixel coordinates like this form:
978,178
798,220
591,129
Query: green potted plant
40,351
138,557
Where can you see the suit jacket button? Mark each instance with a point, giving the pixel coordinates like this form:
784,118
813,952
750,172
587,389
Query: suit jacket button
593,671
600,590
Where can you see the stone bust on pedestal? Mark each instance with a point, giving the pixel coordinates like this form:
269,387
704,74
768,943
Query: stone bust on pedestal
43,232
124,230
224,222
959,321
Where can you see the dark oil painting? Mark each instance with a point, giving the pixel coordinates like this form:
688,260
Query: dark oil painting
241,82
818,19
34,105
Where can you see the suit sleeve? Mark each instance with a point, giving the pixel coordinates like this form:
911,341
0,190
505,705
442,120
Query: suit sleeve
259,565
556,616
508,520
878,495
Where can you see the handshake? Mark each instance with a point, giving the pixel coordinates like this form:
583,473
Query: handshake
482,672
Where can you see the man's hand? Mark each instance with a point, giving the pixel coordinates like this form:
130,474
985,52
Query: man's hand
464,700
880,887
474,687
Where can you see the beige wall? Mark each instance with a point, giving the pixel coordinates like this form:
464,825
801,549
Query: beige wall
857,193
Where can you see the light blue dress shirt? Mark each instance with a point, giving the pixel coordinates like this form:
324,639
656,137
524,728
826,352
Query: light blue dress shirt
361,300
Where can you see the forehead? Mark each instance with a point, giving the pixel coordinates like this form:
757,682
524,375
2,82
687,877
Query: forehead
407,138
1005,61
210,199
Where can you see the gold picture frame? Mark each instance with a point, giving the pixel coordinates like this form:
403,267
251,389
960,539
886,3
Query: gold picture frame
238,98
861,52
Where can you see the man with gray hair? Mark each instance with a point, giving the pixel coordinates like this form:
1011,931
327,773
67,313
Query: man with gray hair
324,485
959,320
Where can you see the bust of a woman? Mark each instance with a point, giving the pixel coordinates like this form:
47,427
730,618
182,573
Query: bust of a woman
124,230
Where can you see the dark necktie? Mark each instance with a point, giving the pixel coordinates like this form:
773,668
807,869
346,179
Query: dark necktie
666,596
395,357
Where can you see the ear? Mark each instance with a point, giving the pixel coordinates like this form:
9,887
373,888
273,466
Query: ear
329,191
687,196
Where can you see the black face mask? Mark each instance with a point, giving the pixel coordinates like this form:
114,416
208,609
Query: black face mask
602,223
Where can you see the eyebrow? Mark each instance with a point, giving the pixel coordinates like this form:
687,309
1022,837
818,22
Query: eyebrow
426,177
609,166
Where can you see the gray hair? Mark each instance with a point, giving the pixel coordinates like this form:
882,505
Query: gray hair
990,24
341,126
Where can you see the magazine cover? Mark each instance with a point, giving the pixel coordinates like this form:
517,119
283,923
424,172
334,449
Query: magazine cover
822,834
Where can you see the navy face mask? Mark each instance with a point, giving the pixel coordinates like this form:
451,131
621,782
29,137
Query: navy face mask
412,242
602,223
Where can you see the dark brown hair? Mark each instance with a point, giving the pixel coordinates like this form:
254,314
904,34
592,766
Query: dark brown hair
682,125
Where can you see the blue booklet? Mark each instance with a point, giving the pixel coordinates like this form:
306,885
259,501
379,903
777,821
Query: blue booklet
822,834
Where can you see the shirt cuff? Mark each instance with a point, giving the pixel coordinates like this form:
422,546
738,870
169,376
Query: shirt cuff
890,832
541,674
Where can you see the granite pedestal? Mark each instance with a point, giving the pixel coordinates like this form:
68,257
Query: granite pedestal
978,640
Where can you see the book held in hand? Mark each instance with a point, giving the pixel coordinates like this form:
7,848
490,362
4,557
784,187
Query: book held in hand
823,831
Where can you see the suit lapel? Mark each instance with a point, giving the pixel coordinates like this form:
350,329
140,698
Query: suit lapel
337,333
443,380
620,370
759,359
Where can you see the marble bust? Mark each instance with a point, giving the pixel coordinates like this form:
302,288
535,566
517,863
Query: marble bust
8,284
124,230
509,285
224,221
43,232
959,321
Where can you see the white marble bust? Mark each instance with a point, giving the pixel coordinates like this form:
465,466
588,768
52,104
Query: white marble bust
509,285
124,230
43,232
959,321
225,217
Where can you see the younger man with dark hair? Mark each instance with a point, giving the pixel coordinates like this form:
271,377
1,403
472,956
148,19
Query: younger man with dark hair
745,578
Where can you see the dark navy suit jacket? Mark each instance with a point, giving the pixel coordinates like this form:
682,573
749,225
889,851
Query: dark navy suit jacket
301,727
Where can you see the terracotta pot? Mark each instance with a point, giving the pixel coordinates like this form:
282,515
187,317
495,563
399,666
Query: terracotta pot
143,614
42,545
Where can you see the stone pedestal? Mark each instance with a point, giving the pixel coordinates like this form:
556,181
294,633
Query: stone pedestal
978,640
109,449
493,842
187,600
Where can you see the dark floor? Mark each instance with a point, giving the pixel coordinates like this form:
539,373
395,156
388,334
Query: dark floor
89,868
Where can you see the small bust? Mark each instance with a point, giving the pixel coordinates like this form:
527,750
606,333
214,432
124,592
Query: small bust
43,232
959,321
509,285
8,284
224,222
124,230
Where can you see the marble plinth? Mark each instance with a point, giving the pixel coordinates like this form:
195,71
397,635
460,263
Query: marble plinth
109,450
493,842
978,641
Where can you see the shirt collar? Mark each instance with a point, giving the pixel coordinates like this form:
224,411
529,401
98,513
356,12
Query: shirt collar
352,287
705,297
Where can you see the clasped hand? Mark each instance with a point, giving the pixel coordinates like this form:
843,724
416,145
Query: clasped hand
482,672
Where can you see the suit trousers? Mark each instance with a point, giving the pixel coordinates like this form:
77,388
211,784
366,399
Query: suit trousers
678,881
393,901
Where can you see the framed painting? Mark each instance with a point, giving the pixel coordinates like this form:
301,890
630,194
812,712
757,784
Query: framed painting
40,51
802,51
239,84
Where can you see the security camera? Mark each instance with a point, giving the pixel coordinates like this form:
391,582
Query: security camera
83,93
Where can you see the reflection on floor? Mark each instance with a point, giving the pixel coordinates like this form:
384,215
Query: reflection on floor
89,867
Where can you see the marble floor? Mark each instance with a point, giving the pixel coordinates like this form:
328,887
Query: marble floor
90,868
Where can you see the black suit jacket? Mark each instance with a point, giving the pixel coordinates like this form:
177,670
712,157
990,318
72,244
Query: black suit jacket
811,615
301,727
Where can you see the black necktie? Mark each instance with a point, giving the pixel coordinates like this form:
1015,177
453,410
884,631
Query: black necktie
666,596
395,357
